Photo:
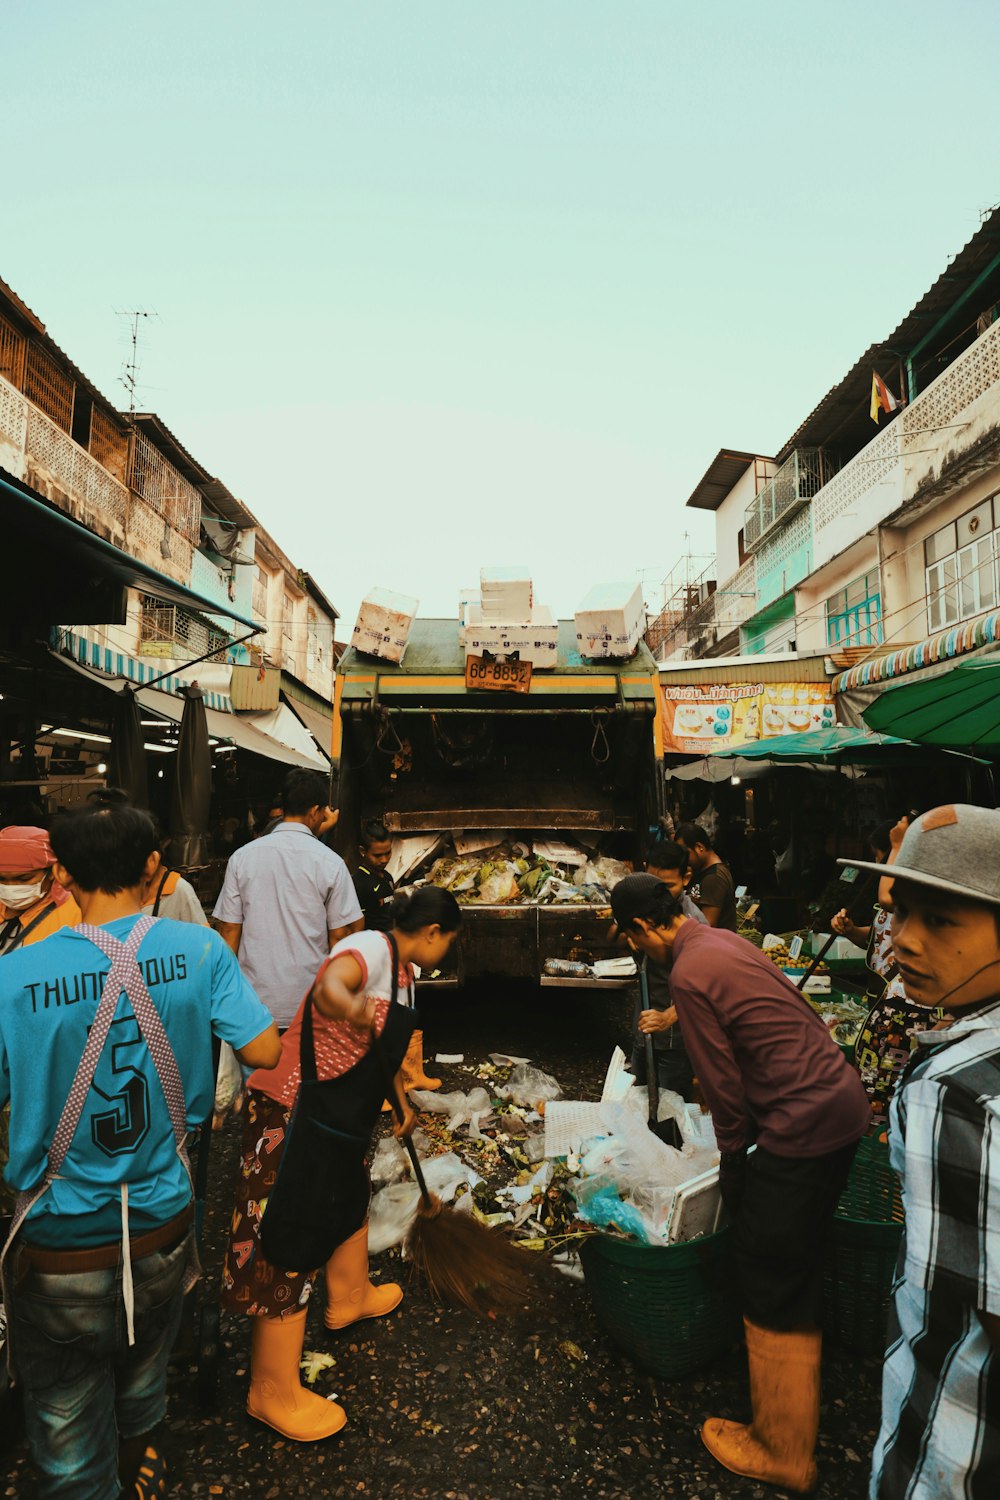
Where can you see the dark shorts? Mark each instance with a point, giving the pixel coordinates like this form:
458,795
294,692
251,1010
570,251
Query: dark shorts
781,1232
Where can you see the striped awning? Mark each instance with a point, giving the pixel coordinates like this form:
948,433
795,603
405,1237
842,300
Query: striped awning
956,641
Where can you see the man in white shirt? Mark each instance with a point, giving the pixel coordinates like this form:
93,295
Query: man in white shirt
287,899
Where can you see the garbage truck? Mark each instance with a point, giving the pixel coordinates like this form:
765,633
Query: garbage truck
522,802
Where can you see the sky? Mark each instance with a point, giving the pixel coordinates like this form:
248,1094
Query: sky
440,284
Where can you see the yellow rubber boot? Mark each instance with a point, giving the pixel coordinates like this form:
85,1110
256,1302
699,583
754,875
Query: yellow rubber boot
412,1070
350,1296
779,1444
277,1395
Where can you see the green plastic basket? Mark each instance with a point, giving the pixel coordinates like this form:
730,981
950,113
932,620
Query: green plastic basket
673,1308
861,1259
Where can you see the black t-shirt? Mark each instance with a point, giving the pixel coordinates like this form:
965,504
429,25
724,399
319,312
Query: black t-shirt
375,890
714,887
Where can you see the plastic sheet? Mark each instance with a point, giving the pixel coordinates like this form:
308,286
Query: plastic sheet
393,1208
530,1086
460,1108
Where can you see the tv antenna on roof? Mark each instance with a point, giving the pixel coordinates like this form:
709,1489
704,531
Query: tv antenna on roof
129,377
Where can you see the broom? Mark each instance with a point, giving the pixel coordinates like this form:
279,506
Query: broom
463,1262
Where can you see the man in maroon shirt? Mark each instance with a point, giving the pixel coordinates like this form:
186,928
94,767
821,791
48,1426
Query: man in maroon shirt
774,1079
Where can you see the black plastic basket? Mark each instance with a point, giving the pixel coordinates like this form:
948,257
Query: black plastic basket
672,1308
864,1247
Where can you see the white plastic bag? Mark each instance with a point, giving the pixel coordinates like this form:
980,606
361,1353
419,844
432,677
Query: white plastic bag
229,1080
530,1086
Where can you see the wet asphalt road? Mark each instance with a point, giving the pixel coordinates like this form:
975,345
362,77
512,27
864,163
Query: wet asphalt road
442,1407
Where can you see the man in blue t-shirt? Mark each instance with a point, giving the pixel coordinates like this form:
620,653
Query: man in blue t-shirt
91,1416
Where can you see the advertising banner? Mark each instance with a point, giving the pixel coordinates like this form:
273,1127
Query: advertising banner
700,719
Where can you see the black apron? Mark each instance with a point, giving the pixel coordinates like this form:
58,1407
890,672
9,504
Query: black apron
322,1191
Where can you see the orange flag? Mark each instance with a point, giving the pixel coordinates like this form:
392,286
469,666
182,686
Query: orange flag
882,398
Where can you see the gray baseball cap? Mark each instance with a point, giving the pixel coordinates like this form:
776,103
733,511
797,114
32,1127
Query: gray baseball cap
955,848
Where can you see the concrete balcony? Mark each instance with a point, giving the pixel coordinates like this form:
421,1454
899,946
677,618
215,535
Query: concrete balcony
800,477
948,434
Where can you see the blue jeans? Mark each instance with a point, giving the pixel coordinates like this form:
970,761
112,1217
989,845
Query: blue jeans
84,1387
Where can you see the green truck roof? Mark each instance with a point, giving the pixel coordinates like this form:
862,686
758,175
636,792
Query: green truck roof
435,650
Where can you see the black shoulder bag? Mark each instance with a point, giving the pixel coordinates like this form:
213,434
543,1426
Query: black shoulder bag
322,1191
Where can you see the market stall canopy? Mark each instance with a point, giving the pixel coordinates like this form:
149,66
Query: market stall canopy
839,742
66,572
960,710
278,735
820,750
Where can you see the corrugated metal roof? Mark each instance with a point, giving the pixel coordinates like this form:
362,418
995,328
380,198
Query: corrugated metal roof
745,669
38,331
727,467
221,498
842,417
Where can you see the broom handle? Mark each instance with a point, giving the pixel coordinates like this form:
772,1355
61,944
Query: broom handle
863,897
397,1109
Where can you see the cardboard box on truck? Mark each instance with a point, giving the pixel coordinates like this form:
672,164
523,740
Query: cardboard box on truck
384,623
536,641
611,621
506,594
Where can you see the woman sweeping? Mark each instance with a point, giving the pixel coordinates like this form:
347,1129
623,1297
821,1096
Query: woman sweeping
301,1171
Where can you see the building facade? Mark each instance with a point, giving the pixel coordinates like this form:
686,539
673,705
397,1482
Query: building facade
875,545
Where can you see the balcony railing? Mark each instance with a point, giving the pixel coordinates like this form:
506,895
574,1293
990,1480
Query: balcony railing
850,494
800,477
162,487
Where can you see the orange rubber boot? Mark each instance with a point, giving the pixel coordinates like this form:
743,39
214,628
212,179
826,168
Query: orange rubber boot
779,1444
277,1395
350,1296
412,1070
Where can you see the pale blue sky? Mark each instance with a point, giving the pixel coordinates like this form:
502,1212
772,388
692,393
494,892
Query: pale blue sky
444,283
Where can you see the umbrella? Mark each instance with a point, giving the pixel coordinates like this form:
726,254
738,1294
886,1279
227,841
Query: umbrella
835,743
960,710
128,751
840,745
192,789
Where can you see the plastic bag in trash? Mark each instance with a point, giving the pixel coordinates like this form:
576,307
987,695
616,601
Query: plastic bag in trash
530,1086
390,1162
393,1208
598,1202
229,1080
460,1108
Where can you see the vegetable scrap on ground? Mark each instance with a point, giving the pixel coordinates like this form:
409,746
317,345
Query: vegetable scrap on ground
547,1179
444,1407
540,872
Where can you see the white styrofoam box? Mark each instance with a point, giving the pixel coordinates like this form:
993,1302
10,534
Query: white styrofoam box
466,597
506,594
536,641
384,623
611,621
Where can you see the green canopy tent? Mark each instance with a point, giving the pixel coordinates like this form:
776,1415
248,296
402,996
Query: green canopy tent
822,749
959,710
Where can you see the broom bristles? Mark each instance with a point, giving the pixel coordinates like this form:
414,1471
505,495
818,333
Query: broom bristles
467,1264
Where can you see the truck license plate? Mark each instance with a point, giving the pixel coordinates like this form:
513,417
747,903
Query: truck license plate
497,676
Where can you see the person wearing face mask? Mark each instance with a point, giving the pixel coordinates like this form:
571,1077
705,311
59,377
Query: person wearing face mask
32,904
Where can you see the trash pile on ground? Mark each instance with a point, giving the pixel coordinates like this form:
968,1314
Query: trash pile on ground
512,1151
509,870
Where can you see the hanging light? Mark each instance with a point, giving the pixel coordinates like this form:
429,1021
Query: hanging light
734,781
102,768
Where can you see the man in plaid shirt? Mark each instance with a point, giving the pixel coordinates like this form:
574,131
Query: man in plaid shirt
940,1431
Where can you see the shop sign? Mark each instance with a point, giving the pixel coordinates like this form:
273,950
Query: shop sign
717,716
